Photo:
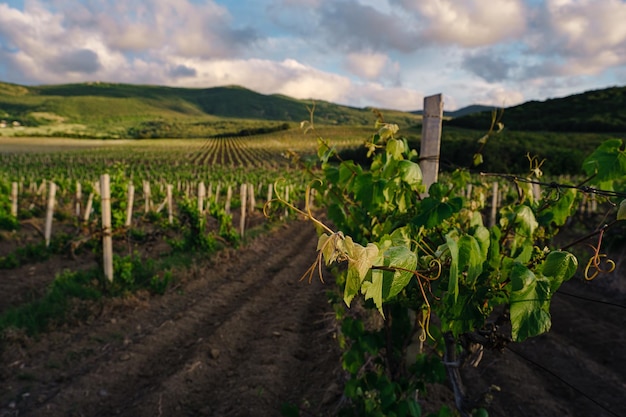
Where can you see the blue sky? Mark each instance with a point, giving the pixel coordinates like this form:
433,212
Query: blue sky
380,53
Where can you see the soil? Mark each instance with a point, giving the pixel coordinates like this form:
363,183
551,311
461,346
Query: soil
241,335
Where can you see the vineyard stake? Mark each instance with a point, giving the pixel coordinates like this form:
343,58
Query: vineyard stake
14,199
88,208
242,221
229,196
78,198
201,197
170,205
50,211
107,241
431,139
131,200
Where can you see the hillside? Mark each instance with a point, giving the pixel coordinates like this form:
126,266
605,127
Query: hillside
592,111
464,111
112,110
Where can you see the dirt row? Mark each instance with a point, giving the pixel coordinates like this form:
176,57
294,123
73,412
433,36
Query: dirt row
242,337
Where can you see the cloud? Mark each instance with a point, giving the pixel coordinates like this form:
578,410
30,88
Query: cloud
78,61
578,37
470,23
367,65
356,27
181,71
488,65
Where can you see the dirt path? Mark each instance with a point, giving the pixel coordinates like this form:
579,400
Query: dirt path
241,339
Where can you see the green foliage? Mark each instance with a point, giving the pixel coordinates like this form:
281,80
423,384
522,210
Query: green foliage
433,256
225,221
193,226
592,111
33,252
53,307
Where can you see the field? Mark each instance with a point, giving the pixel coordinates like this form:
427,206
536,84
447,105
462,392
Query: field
235,332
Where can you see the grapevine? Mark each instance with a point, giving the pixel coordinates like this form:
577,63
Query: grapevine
413,256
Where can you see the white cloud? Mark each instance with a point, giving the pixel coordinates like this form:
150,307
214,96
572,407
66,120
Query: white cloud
367,65
469,23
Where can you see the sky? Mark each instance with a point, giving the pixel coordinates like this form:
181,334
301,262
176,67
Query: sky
387,54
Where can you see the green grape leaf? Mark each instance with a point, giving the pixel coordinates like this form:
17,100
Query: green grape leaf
484,240
362,258
529,303
607,162
433,212
374,290
395,148
352,286
470,258
559,266
410,173
560,210
400,257
360,261
477,159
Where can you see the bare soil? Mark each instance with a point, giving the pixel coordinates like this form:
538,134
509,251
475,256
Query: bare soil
241,336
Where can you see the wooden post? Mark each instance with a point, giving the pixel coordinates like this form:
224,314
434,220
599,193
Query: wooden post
242,220
201,197
146,197
431,139
536,192
270,190
50,211
14,199
107,241
229,196
170,205
78,197
88,208
251,199
131,201
494,204
217,192
209,194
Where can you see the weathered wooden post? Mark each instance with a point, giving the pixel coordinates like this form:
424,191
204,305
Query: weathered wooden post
431,139
242,221
14,198
107,240
78,198
50,211
131,202
201,197
147,197
170,203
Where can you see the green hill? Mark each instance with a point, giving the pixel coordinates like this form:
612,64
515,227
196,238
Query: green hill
592,111
111,110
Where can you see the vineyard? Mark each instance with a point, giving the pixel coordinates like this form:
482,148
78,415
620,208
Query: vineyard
215,269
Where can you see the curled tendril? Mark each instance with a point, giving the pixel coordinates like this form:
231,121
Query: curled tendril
596,260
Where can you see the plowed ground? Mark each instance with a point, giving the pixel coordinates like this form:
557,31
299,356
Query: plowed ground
241,336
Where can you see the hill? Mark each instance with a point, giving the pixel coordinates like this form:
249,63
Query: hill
472,109
592,111
126,110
